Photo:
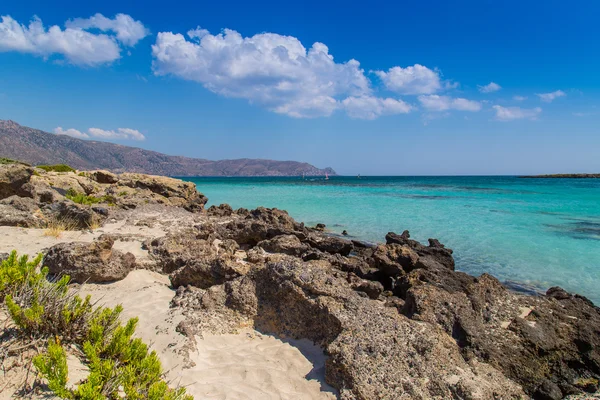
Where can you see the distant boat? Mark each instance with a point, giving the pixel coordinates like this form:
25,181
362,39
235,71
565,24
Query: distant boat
303,178
358,177
326,176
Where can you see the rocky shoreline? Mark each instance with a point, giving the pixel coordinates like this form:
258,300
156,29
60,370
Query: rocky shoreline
395,319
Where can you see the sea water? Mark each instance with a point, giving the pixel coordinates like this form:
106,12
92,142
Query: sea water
535,232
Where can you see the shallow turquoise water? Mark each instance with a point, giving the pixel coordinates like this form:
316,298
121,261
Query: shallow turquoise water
540,232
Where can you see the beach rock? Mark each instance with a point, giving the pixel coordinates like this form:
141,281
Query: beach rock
286,244
430,256
179,193
320,227
549,345
12,216
104,177
330,244
81,217
197,262
394,259
374,352
12,179
223,210
261,224
95,262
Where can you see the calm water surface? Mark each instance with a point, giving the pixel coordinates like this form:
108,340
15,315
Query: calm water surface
540,232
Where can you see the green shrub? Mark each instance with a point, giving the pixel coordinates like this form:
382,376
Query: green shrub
4,160
119,365
82,198
56,168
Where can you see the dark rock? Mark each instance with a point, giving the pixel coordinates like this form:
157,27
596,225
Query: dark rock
558,293
330,244
430,255
345,232
19,211
286,244
82,217
101,210
95,262
105,177
223,210
12,179
320,227
548,390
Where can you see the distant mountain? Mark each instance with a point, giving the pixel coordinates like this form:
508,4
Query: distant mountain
38,147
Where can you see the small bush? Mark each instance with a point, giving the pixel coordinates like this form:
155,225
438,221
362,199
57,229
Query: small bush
4,160
84,199
56,226
120,366
56,168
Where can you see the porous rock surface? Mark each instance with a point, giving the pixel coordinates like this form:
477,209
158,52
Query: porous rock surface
95,262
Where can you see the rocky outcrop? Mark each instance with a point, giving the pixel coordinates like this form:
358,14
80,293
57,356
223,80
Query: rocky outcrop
12,179
95,262
20,211
374,352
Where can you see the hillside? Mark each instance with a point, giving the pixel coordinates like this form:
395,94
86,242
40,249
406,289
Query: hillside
38,147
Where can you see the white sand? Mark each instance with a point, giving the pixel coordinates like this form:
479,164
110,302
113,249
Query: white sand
243,366
249,365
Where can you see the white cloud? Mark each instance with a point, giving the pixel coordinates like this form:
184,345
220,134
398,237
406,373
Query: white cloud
71,132
273,71
435,102
513,113
489,88
370,107
120,133
416,79
548,97
519,98
129,31
74,43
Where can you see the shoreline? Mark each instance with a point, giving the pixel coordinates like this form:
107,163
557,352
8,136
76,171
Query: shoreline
395,320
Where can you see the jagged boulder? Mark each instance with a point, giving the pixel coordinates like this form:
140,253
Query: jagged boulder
330,244
223,210
179,193
198,262
95,262
12,179
80,217
286,244
434,255
374,352
20,211
105,177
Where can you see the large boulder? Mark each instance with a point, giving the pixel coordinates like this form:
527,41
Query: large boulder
179,193
20,211
95,262
374,352
198,262
71,214
435,255
223,210
330,244
286,244
12,179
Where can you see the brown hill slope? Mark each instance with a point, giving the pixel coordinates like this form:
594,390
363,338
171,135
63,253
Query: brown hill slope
38,147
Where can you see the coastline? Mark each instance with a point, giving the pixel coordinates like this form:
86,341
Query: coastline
395,320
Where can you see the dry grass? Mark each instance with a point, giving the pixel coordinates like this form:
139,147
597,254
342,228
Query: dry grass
95,223
56,226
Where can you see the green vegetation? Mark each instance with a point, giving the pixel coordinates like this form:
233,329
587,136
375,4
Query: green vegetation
4,160
82,198
56,168
46,311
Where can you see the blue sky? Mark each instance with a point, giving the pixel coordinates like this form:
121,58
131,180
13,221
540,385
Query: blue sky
416,100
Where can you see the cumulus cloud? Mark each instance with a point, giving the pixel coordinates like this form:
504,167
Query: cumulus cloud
370,107
273,71
519,98
549,97
129,31
489,88
74,43
71,132
120,133
416,79
436,102
513,113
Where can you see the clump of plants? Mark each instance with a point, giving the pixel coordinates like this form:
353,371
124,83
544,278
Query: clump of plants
4,160
45,311
56,168
84,199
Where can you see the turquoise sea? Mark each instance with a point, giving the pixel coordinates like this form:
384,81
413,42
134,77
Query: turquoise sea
535,232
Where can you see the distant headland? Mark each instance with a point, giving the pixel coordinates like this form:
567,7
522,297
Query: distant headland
38,147
569,176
